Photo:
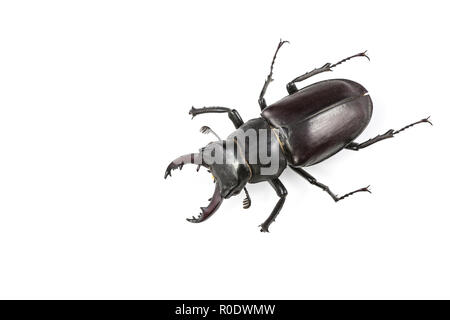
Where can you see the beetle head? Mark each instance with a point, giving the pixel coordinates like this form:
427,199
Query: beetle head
226,164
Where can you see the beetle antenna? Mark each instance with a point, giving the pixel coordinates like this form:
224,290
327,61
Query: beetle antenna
247,201
206,130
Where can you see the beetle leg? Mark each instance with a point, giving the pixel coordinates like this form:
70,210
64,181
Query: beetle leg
232,113
325,188
261,100
388,134
292,88
282,193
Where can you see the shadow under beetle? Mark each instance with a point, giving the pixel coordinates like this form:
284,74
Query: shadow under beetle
311,125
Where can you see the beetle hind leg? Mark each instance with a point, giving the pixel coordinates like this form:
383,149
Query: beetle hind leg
324,187
388,134
292,88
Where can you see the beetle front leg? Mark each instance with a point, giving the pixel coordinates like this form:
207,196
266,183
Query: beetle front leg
389,134
292,88
261,100
325,188
232,114
282,193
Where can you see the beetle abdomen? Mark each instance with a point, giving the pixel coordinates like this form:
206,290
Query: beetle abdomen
320,120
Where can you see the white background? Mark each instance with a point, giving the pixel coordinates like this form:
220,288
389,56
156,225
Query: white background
94,100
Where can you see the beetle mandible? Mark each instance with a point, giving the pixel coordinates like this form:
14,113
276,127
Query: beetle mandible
309,125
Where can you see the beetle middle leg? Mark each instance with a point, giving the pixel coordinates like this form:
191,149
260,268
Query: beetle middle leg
325,188
261,100
388,134
282,193
292,88
232,113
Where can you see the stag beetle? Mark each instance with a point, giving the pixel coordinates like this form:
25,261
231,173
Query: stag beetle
309,125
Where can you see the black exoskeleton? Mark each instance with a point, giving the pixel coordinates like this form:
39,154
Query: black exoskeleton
304,128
